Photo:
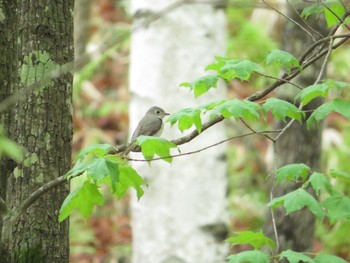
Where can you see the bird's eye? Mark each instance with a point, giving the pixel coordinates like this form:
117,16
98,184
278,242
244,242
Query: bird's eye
158,111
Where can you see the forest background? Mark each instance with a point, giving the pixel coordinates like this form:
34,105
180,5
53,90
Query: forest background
101,105
101,102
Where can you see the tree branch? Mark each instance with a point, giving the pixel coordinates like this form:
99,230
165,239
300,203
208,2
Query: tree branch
262,133
291,19
15,215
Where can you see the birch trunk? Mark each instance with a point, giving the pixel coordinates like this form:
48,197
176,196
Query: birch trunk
181,217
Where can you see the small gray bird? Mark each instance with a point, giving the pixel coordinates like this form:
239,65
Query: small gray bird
150,125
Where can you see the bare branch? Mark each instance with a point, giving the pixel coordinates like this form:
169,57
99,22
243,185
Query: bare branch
251,129
304,20
15,215
271,197
283,80
291,19
325,61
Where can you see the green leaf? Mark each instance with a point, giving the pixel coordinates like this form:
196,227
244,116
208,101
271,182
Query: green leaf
83,198
10,149
211,105
313,91
296,200
282,58
295,257
251,256
337,11
292,172
319,181
324,258
186,118
202,85
336,105
150,146
282,109
340,85
128,177
230,69
113,170
320,90
337,206
97,169
313,9
255,239
95,150
339,174
238,109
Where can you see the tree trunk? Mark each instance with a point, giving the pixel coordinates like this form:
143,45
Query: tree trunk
298,144
181,218
36,37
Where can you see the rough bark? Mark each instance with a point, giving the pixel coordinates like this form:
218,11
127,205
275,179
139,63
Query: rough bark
298,144
36,37
181,217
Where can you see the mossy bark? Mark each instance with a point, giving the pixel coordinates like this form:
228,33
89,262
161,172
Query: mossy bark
36,38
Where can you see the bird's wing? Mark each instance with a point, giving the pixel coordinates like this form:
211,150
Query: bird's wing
148,128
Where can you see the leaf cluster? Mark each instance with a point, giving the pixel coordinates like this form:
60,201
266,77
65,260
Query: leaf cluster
333,204
99,168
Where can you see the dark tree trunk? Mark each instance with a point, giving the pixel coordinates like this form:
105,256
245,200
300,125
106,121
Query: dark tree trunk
298,144
36,37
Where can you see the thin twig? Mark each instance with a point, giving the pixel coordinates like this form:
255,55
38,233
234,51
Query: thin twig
262,133
291,19
304,20
251,129
335,14
271,198
325,61
283,80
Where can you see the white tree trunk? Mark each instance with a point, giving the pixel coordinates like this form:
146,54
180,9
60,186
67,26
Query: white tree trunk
184,198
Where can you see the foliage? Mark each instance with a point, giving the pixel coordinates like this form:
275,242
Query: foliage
229,69
99,167
96,167
332,10
186,118
151,146
256,239
9,148
282,109
281,57
202,85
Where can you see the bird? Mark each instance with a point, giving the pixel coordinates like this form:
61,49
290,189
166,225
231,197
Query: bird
150,125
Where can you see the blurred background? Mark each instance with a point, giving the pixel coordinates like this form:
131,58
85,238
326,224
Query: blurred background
101,103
